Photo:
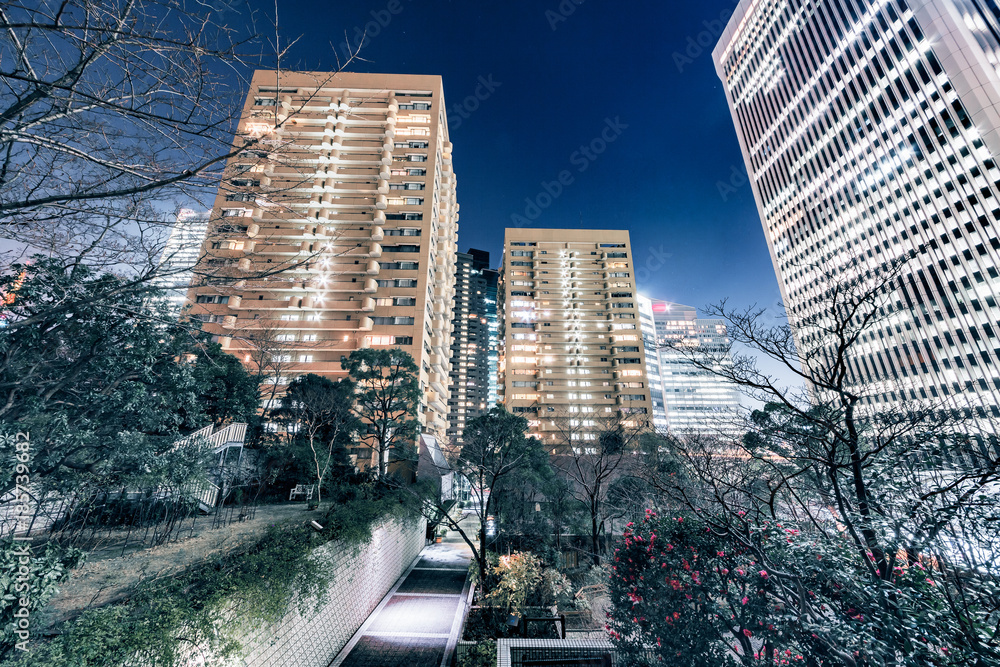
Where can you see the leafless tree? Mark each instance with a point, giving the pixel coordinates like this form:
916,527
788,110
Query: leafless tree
596,452
901,483
269,358
116,113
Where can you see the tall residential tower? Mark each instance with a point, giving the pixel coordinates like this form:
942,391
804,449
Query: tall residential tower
336,229
871,133
572,358
471,343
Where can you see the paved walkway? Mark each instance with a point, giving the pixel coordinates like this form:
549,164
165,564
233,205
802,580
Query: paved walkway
417,623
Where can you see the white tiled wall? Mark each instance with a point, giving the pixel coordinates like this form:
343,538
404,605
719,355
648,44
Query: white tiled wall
363,575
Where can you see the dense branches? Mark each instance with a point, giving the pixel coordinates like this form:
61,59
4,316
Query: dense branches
874,522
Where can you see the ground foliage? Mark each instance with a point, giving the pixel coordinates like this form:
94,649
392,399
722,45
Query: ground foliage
207,610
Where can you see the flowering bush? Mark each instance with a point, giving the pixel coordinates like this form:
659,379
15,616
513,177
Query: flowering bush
680,587
701,595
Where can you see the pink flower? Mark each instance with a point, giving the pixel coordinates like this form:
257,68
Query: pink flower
763,573
745,600
747,633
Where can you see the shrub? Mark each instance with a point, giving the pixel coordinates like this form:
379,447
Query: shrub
210,607
35,579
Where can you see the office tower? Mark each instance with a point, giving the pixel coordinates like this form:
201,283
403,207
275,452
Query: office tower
179,257
338,229
571,351
651,346
696,400
470,347
870,134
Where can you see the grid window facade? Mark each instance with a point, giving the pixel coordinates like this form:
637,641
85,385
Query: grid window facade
571,354
333,263
869,130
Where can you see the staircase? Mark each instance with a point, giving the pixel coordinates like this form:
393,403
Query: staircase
232,436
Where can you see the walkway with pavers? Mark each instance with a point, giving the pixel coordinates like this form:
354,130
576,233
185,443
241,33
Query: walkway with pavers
418,621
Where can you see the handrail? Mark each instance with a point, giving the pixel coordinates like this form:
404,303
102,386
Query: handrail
204,492
200,433
236,432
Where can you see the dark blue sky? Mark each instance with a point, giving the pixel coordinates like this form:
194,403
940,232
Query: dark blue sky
558,78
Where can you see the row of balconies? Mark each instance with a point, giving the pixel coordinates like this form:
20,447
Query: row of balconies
230,322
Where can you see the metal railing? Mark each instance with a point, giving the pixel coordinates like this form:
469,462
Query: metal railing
204,492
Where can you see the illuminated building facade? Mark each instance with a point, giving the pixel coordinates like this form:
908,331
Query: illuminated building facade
180,256
571,351
871,131
696,400
470,348
338,228
651,345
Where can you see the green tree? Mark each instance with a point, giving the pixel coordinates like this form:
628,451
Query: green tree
495,451
317,412
32,579
102,385
386,400
227,392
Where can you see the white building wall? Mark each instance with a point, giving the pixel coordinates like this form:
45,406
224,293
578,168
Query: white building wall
871,131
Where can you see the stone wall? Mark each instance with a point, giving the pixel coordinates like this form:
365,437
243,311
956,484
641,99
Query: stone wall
362,576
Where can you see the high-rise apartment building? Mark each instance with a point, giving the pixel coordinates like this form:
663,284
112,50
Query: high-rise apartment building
491,278
571,351
180,256
470,347
871,133
696,399
337,229
651,345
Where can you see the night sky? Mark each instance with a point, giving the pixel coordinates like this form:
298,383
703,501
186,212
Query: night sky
549,83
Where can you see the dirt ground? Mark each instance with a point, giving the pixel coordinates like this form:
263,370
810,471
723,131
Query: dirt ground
106,576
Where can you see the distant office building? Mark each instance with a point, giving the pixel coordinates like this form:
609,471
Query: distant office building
339,229
651,345
470,346
871,133
571,350
696,400
179,257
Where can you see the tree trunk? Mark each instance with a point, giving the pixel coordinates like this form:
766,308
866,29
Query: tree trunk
595,539
482,552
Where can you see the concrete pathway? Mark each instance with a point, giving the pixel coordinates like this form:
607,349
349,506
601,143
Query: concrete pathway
417,623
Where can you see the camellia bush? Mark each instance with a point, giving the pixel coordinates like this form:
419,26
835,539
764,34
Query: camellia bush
684,591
